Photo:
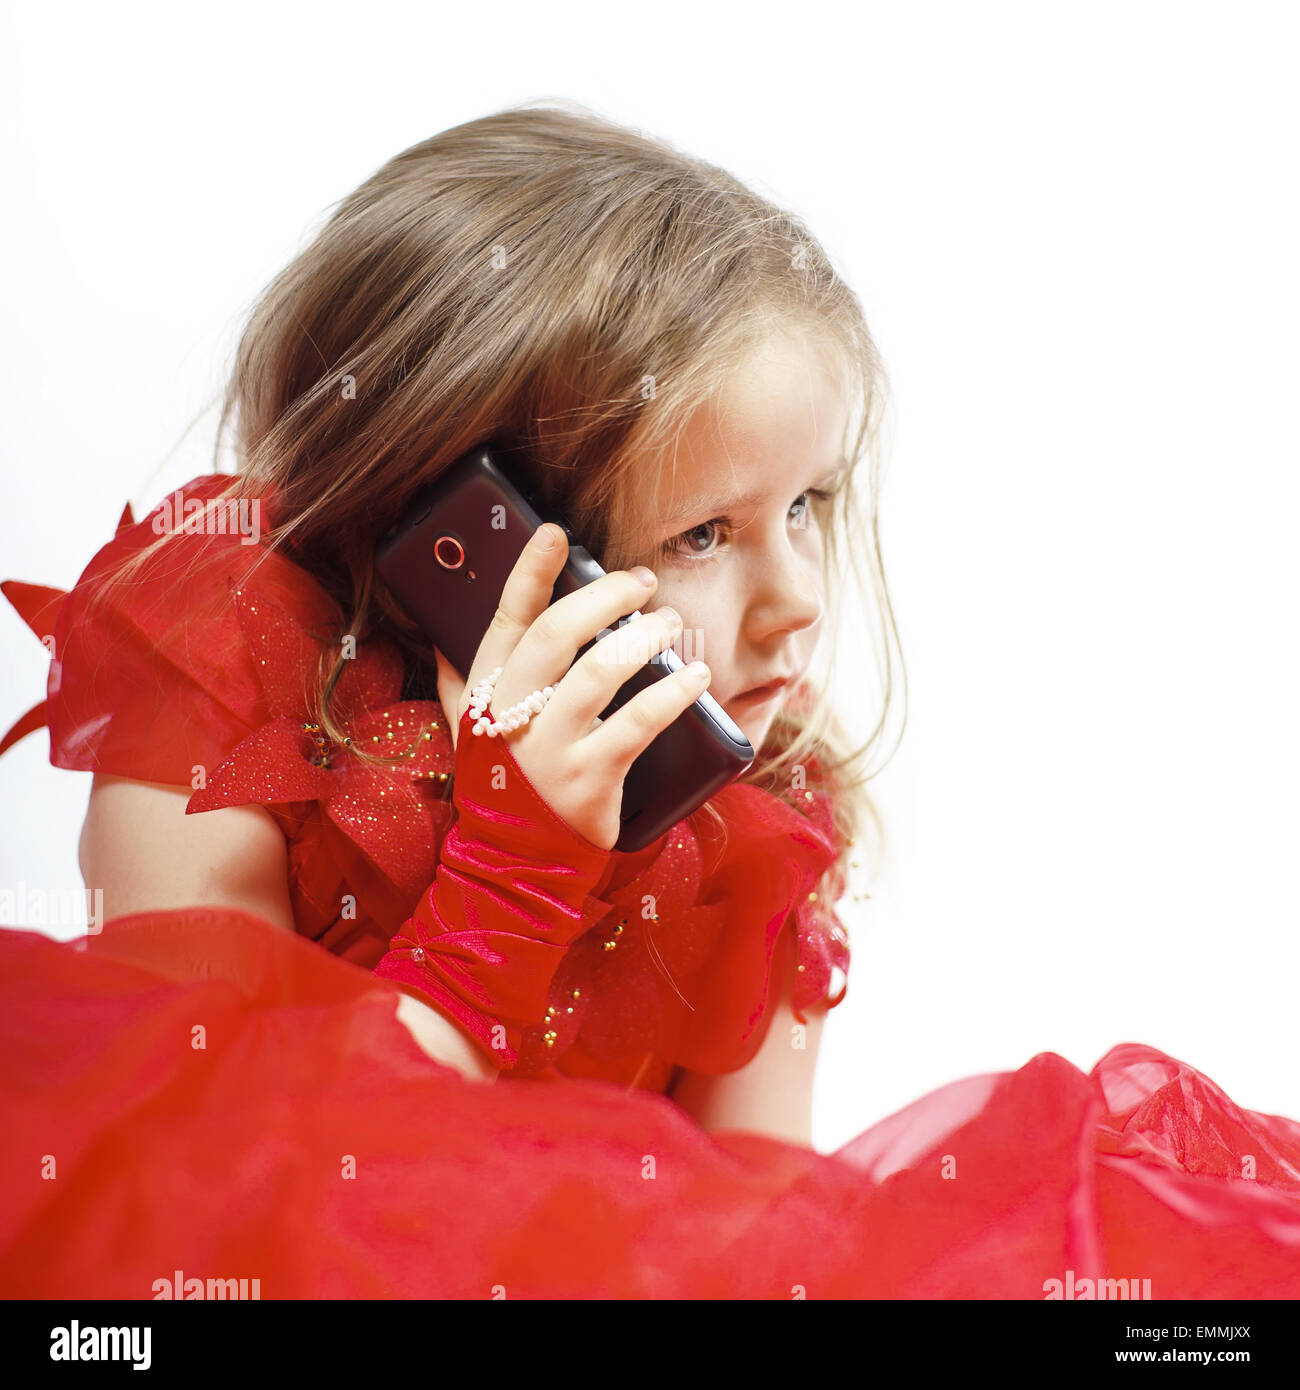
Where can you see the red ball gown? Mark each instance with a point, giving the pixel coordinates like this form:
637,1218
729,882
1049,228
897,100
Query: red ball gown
309,1143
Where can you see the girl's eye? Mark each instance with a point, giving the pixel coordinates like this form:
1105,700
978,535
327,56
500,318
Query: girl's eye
674,548
688,539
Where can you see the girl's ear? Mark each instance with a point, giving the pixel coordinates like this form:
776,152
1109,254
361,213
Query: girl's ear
450,690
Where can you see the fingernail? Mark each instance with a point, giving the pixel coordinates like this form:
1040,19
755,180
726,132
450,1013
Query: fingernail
544,537
697,669
671,616
645,575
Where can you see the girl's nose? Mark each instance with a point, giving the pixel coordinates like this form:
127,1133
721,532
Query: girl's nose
786,595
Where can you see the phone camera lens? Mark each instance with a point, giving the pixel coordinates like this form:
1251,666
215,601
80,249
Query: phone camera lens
449,552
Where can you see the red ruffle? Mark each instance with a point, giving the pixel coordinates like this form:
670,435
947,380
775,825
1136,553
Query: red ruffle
198,1090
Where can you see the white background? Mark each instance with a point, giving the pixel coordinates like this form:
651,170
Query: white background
1074,232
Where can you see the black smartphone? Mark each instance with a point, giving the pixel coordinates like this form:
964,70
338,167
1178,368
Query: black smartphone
446,561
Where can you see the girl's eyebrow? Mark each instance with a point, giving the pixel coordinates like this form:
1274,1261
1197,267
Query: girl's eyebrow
718,504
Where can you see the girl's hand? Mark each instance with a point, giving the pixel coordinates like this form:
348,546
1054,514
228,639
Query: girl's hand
574,760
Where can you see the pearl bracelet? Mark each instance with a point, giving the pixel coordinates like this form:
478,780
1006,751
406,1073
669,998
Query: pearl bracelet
514,718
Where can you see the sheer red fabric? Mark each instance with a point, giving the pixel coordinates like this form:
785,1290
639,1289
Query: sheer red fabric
199,1090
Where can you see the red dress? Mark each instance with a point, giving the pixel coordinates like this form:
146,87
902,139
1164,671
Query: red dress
307,1141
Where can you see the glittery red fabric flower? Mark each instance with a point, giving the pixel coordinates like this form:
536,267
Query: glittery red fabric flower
391,814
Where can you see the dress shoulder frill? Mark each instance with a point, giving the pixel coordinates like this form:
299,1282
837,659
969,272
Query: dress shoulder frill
195,674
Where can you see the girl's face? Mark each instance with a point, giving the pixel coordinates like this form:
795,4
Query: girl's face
734,528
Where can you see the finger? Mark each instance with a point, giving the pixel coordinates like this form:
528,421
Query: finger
546,651
596,679
527,593
621,739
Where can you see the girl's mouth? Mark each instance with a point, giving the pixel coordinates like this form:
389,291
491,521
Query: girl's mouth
761,694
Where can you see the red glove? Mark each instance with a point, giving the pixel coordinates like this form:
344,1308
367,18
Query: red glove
509,897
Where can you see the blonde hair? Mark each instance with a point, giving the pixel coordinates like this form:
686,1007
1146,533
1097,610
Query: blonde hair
519,278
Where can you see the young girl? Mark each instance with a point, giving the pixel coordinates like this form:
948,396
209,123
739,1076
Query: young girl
283,765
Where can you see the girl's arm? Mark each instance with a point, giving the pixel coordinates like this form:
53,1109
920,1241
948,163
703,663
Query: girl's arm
772,1093
140,848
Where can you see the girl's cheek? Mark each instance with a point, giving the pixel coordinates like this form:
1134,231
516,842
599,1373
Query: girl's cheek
690,641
